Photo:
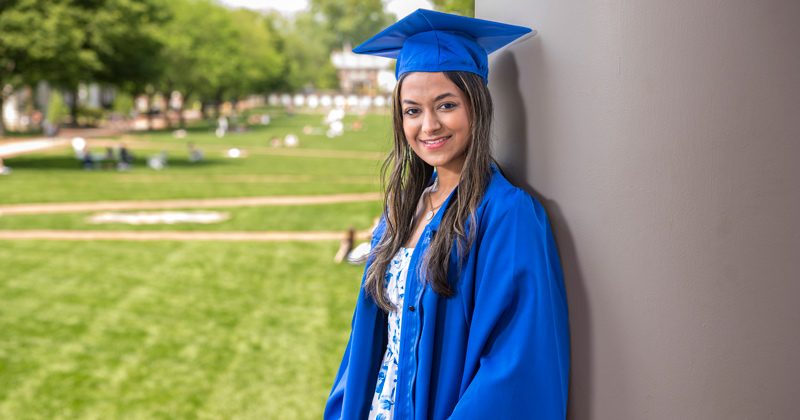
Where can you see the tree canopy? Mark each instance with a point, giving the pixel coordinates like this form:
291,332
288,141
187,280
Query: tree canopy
349,21
459,7
198,47
28,55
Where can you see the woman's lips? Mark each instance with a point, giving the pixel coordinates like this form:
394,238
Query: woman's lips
435,143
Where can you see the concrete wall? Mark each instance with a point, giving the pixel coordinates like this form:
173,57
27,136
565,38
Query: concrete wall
663,139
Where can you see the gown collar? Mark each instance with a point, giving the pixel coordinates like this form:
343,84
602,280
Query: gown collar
437,218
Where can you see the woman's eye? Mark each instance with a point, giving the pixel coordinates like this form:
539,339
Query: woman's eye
447,105
410,111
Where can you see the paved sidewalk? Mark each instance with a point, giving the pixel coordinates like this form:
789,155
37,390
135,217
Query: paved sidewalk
83,235
15,146
20,147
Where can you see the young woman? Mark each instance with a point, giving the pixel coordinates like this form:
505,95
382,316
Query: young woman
462,313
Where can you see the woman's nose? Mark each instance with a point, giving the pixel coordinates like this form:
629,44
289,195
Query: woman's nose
430,123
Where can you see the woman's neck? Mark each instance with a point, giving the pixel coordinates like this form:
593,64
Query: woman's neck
447,180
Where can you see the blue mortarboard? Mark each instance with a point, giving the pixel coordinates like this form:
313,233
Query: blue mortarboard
432,41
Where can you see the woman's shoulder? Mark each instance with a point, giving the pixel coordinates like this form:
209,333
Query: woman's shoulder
500,188
506,207
504,201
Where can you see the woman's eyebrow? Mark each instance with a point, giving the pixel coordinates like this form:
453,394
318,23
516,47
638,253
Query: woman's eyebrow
442,96
437,99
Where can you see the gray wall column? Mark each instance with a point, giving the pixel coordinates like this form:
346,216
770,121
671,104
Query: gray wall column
663,138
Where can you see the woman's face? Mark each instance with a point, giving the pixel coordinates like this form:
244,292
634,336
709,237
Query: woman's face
436,119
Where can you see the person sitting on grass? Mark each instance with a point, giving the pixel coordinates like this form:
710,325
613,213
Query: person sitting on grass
126,158
195,154
87,160
4,170
109,161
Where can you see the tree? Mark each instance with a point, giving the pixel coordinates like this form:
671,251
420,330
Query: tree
349,21
123,34
195,48
260,65
308,60
459,7
39,38
131,42
215,54
329,25
203,50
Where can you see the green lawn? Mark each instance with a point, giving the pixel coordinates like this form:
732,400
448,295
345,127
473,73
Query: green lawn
56,176
184,330
171,330
43,178
375,134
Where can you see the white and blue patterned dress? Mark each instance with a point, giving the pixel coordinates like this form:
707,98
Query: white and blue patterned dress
383,401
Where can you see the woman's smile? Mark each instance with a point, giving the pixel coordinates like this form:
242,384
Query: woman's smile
435,143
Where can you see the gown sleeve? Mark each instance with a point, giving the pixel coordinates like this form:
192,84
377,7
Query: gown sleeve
361,355
334,406
519,334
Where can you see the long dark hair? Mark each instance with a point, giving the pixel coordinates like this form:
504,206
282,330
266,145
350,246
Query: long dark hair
405,177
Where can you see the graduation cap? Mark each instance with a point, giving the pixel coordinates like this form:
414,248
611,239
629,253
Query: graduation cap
433,41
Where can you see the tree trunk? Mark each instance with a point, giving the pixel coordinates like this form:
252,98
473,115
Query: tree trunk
218,103
181,120
168,97
73,110
149,112
2,117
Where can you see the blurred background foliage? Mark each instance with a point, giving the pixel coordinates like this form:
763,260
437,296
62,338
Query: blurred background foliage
202,49
183,329
458,7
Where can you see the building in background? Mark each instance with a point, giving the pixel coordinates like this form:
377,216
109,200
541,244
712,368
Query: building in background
27,108
360,73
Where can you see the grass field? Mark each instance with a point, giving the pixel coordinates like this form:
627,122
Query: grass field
55,176
165,330
183,330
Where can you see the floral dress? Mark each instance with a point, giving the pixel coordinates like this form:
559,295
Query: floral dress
383,401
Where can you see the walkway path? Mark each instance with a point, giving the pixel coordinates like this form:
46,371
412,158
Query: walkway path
15,146
21,147
84,235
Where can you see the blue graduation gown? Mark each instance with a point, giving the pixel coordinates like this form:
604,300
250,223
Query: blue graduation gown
499,348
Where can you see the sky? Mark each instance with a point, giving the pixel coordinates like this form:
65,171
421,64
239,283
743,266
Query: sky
399,7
